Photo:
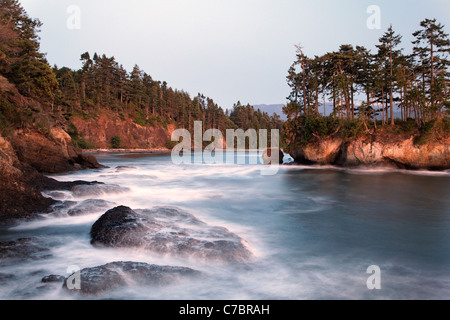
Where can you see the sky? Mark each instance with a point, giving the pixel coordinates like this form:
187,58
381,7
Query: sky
228,50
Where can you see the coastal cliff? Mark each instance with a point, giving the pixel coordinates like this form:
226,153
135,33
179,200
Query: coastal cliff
378,149
99,132
24,158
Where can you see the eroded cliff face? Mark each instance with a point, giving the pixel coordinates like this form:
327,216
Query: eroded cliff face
373,151
23,159
18,199
53,153
101,130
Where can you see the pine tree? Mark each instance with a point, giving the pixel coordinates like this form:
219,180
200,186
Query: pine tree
20,59
389,56
431,49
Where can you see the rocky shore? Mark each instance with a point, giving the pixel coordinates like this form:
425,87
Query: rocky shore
24,159
376,150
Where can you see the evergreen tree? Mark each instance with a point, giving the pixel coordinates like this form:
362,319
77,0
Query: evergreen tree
431,50
388,56
20,59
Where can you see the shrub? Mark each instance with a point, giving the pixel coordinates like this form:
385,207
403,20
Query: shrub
115,142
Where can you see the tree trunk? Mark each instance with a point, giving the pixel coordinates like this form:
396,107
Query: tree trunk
353,102
392,106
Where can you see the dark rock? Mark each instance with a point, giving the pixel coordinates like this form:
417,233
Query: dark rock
90,206
18,199
53,279
168,231
23,249
21,188
121,227
114,275
124,168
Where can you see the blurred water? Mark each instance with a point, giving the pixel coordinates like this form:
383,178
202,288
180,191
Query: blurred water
314,231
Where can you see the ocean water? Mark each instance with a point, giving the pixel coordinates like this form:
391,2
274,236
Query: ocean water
313,231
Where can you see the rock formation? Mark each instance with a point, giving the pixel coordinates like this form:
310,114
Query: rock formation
114,275
168,231
376,151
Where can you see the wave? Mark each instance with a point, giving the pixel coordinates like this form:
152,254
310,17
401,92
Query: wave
368,170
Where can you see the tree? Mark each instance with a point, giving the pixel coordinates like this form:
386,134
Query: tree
431,49
20,59
389,56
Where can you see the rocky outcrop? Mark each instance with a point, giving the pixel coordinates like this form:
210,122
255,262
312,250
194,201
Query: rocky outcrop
100,131
377,151
325,152
55,155
21,183
168,231
18,199
114,275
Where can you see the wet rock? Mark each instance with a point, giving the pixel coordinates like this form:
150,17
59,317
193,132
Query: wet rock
124,168
85,190
53,279
56,195
90,206
6,277
168,231
23,249
114,275
60,206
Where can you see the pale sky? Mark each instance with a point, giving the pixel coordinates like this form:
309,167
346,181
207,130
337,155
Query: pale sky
228,50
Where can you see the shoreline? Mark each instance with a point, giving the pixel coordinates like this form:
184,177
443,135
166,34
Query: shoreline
94,151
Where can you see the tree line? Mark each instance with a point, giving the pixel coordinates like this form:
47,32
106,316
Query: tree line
418,83
103,84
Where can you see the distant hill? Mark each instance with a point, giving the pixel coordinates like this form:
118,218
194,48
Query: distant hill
271,109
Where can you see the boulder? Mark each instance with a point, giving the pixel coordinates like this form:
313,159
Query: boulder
168,231
114,275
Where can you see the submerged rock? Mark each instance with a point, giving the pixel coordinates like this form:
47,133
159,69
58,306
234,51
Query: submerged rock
124,168
23,249
168,231
6,277
114,275
90,206
53,278
85,190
